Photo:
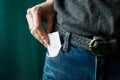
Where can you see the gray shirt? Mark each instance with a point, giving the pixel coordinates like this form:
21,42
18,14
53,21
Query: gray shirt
88,17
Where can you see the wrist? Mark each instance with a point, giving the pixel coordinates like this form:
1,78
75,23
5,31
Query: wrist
50,1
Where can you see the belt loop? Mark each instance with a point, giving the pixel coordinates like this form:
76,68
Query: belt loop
66,41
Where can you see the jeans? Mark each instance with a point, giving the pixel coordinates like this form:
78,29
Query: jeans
79,64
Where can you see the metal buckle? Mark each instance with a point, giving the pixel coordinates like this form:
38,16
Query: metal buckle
91,47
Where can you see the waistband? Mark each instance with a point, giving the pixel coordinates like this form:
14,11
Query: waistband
77,40
96,45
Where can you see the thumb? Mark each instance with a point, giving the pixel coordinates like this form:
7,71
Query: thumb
49,25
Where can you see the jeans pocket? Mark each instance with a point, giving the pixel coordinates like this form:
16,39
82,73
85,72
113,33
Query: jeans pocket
64,47
55,57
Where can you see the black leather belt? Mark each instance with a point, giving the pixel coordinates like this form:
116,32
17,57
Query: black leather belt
98,45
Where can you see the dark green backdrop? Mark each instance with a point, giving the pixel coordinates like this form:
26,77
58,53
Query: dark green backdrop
21,56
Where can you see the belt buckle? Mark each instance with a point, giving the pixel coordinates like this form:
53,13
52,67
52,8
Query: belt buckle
91,47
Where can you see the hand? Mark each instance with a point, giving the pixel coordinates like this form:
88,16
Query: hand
36,15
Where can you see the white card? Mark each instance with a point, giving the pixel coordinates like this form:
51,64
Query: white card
55,44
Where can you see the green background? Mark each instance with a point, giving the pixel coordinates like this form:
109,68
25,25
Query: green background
21,55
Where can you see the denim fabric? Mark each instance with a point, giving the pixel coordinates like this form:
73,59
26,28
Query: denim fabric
76,64
79,64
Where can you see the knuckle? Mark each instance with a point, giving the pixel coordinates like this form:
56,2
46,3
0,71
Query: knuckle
36,26
34,29
43,37
28,10
27,17
35,9
33,32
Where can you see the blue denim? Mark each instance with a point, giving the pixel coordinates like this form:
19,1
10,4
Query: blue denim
79,64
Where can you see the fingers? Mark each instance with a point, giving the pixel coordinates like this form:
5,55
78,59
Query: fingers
36,34
35,24
37,20
35,17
